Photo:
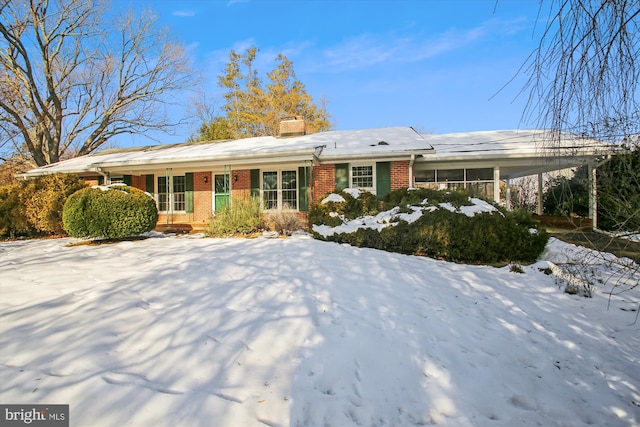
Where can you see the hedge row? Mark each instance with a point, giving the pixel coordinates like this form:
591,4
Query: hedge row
34,207
489,237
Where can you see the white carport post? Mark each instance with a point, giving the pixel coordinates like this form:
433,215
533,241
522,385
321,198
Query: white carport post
496,184
593,196
540,190
507,201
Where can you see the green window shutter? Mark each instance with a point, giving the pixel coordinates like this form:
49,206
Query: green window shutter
127,179
383,179
303,189
255,182
342,176
148,183
188,193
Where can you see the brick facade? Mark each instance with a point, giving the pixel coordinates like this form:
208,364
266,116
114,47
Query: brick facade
399,174
324,181
202,197
242,186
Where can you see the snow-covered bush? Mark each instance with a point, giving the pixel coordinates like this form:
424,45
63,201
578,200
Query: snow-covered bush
335,208
109,212
445,225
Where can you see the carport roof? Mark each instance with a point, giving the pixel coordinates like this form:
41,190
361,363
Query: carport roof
516,153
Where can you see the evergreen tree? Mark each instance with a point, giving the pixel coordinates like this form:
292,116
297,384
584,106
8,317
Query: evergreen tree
253,109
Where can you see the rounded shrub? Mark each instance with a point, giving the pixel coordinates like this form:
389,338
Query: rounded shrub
114,213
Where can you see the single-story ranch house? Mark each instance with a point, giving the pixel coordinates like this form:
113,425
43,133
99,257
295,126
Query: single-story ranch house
190,181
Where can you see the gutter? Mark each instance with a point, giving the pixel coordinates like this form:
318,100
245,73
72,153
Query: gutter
389,155
227,160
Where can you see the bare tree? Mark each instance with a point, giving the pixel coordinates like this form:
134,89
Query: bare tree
70,81
584,75
584,78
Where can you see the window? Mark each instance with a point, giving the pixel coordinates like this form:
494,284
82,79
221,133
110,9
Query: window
485,174
445,175
477,181
270,190
430,176
280,189
289,190
362,177
174,200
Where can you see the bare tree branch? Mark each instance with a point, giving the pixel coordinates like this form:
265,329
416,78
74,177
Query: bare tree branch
69,81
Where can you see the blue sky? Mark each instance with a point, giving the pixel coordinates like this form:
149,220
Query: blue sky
436,65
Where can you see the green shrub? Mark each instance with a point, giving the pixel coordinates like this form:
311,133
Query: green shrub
34,206
242,217
488,237
116,213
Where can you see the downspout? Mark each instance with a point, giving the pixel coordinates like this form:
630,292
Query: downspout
309,180
316,158
411,162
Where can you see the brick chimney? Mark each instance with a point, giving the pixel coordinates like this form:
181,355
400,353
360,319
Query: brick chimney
293,126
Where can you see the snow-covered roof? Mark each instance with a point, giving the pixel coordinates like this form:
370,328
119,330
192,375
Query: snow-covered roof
513,143
324,146
344,145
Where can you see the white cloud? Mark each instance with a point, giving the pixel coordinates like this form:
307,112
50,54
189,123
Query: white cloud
184,13
370,49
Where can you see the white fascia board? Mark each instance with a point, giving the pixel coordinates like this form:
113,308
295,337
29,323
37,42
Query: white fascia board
245,159
44,172
388,156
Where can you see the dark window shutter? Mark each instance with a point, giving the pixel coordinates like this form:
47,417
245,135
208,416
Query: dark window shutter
303,189
188,193
342,176
148,184
127,179
383,179
255,182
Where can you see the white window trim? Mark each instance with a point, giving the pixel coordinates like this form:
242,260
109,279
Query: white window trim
279,188
170,194
373,176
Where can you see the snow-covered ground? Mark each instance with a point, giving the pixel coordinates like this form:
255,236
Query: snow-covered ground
185,331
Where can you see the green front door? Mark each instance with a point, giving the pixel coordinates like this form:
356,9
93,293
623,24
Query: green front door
221,191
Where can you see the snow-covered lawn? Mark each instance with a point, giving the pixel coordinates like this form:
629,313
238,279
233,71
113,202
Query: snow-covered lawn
184,331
